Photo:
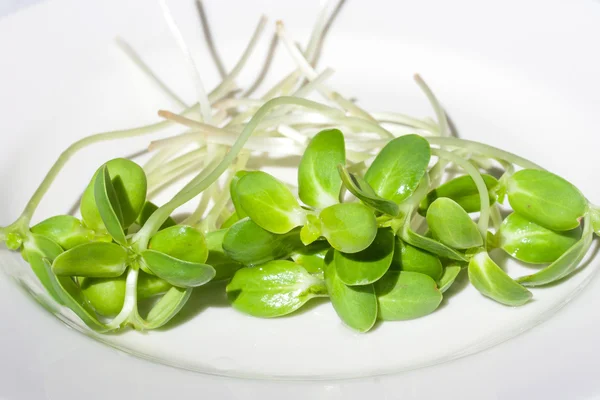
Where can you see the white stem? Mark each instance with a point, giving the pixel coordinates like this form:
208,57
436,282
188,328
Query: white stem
137,60
205,108
130,299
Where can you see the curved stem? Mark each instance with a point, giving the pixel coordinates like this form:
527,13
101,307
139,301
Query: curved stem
481,148
200,183
437,107
484,215
130,298
74,148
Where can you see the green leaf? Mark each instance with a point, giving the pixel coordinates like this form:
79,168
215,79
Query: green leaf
546,199
368,265
105,295
311,231
493,282
318,181
451,224
411,258
181,242
532,243
463,191
448,278
348,227
233,218
428,244
398,168
355,305
312,257
71,297
150,285
406,295
36,248
269,203
65,230
235,199
96,259
108,206
167,307
273,289
565,264
249,244
365,193
225,267
595,217
177,272
147,210
129,182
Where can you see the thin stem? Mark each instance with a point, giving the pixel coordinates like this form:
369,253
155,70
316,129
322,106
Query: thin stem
74,148
485,149
158,158
175,165
484,214
437,107
175,176
130,298
137,60
229,80
210,43
265,69
405,120
205,108
496,217
199,183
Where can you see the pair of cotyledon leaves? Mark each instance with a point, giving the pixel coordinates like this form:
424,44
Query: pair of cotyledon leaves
98,254
348,227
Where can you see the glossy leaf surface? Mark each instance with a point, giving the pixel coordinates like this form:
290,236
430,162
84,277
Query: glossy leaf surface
355,305
273,289
546,199
451,225
406,295
399,167
318,181
368,265
96,259
348,227
491,281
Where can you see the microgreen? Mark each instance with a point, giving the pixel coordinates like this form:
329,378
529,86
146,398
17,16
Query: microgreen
67,231
398,168
448,277
532,243
493,282
249,244
371,253
406,295
546,199
318,181
368,265
411,258
273,289
451,225
224,266
355,305
127,187
463,191
99,259
269,203
348,227
565,264
365,193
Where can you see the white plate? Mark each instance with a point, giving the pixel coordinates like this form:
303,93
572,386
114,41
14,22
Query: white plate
521,76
